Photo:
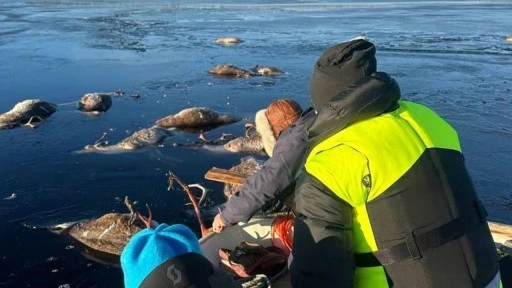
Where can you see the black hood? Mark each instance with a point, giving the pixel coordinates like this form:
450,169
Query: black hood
369,97
339,67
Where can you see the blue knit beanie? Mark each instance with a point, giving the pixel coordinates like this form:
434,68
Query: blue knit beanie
149,248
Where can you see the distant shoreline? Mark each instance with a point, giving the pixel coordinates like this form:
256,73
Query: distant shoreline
177,4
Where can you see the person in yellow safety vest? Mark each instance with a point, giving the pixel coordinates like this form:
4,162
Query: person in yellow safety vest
384,200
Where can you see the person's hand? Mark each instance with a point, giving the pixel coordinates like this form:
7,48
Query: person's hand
218,225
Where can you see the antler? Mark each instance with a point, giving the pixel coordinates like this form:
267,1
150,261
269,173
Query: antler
100,141
146,221
134,213
32,125
248,128
204,193
171,178
223,137
202,137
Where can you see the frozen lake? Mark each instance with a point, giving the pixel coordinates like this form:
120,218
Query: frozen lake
450,55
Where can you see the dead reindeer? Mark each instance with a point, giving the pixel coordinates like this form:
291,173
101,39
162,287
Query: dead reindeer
196,119
250,143
109,233
30,113
224,137
229,70
228,40
95,102
267,70
144,138
248,166
202,142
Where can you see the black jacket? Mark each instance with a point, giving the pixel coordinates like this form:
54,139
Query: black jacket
428,225
276,179
323,220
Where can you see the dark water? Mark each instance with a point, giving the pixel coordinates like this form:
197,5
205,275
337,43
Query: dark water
450,55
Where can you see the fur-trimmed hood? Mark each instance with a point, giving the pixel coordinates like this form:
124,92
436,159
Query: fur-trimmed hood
263,127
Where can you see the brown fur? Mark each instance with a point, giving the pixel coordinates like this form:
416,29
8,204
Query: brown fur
267,70
246,144
195,117
228,70
145,137
23,111
261,142
108,234
95,102
228,40
247,167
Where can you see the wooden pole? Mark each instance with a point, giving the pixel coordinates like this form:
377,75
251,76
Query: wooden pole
500,228
225,176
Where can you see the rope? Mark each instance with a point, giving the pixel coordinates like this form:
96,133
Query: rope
282,230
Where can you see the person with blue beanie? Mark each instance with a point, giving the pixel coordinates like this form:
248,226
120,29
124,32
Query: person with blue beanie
170,256
167,256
